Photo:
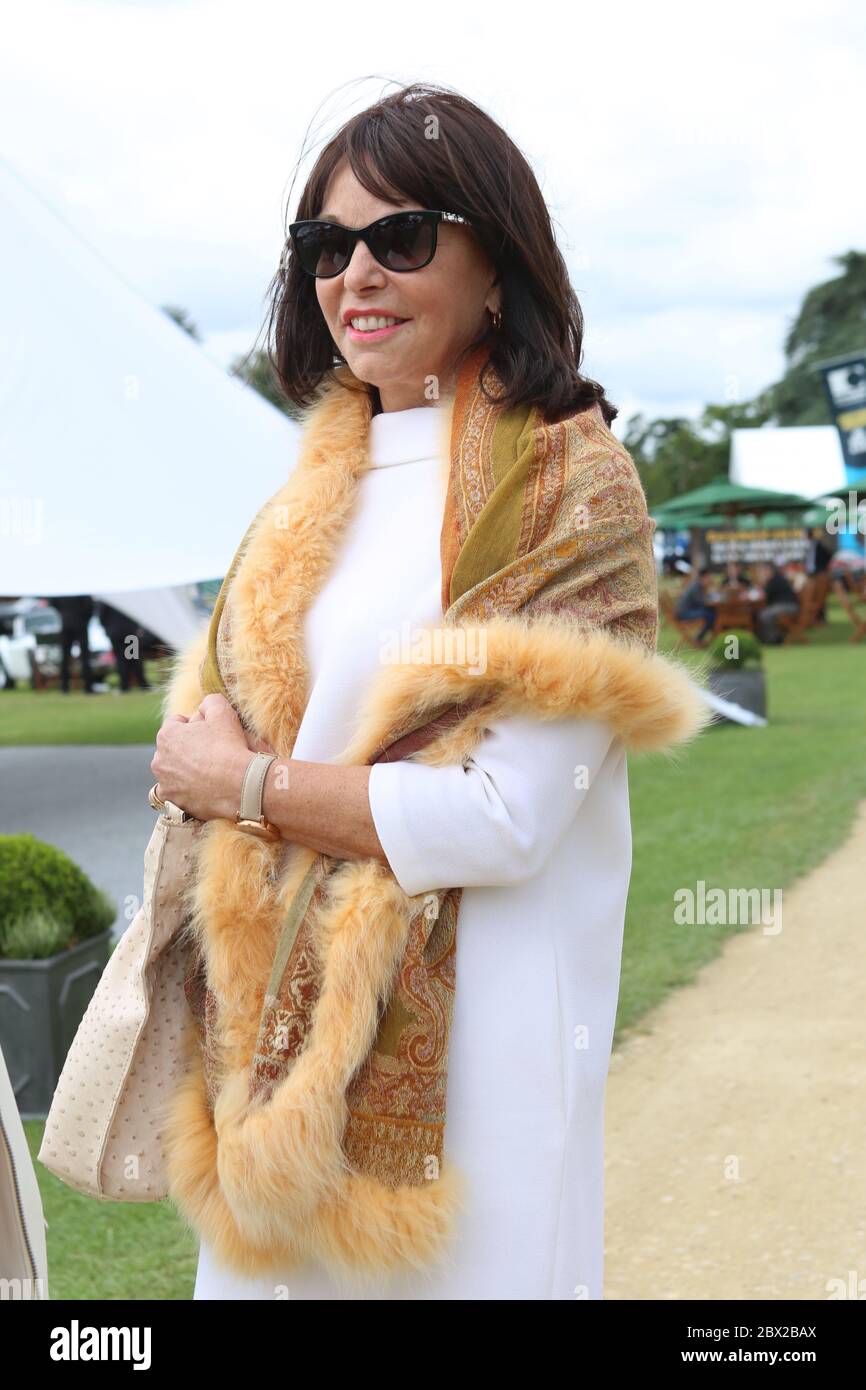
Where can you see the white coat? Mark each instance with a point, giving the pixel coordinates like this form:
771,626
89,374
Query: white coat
537,831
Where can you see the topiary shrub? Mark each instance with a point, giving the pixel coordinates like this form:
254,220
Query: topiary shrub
725,655
47,903
35,936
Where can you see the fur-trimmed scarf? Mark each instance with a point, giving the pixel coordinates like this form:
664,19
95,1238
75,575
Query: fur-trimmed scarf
311,1119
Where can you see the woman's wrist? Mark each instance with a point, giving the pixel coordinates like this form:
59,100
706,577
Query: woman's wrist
273,792
322,806
229,801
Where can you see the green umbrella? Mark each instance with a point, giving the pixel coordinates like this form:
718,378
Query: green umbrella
817,516
715,522
723,493
684,521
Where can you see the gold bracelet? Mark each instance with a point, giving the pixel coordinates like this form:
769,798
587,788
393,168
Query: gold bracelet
159,805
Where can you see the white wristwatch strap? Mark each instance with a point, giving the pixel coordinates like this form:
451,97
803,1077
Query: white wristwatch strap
253,785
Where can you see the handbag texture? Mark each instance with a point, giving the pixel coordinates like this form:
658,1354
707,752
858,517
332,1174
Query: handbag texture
103,1134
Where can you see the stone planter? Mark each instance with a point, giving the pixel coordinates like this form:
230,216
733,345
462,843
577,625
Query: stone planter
42,1003
747,688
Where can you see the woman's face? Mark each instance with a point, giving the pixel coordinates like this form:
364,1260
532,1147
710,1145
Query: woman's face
444,304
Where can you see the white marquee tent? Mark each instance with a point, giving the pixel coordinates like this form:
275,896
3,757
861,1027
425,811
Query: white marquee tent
130,462
804,459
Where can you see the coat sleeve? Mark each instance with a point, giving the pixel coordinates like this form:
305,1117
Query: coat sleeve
494,821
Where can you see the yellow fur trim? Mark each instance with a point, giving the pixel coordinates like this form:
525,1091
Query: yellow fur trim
183,692
268,1185
365,1231
281,1169
540,666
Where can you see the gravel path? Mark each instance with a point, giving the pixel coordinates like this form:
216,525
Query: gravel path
736,1143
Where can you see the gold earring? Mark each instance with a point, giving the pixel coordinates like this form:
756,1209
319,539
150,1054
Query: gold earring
497,320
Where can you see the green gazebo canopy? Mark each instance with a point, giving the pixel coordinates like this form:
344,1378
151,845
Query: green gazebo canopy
714,503
684,521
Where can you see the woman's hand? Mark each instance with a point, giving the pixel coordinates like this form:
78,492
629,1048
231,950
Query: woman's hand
200,761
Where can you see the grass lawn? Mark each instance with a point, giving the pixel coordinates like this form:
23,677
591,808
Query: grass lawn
50,717
742,808
111,1250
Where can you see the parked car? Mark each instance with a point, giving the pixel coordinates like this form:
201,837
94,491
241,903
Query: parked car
27,627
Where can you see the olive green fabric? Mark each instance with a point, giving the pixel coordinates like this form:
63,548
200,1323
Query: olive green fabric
493,541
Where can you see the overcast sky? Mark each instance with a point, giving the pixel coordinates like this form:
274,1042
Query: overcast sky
701,163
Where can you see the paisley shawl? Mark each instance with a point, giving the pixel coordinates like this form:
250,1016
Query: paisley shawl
312,1118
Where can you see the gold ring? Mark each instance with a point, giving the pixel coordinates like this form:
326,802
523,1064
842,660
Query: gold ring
154,799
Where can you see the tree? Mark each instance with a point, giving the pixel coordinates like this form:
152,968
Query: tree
255,369
674,456
831,322
678,455
670,456
183,320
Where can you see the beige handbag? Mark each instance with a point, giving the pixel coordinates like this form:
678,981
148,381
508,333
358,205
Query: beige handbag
102,1135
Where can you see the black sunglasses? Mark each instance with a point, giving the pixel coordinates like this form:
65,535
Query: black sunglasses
401,241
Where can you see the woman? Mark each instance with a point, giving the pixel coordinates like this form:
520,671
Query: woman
442,629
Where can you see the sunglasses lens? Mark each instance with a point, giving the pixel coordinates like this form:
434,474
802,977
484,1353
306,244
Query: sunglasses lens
321,250
403,242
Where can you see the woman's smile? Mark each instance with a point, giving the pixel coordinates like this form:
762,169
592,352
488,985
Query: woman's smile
364,334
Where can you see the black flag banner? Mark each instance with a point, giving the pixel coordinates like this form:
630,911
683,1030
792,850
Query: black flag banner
845,386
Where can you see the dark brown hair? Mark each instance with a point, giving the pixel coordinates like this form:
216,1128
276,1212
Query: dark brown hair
472,167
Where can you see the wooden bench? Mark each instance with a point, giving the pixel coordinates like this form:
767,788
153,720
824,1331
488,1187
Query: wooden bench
734,614
812,598
847,603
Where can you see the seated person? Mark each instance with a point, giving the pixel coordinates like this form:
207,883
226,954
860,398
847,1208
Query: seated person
692,602
779,597
820,551
735,577
795,575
